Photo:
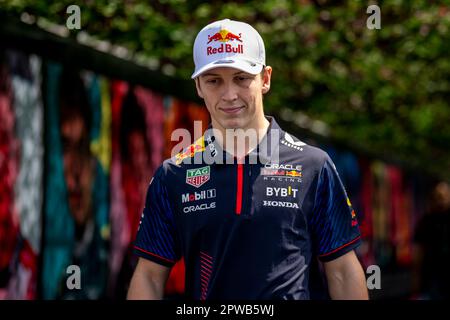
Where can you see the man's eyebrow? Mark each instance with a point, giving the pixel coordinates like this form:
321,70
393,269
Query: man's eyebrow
218,75
209,74
240,72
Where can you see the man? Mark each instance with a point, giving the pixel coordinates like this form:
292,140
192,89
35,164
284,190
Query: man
246,230
80,168
78,161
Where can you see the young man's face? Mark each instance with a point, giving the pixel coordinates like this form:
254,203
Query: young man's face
234,97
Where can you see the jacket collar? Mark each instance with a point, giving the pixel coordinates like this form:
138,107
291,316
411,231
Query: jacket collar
266,151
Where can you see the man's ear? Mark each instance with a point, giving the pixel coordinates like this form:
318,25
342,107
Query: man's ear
266,79
199,89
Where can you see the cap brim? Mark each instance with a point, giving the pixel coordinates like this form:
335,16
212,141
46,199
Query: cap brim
241,64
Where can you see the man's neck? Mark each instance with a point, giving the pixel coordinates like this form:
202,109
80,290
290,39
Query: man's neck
241,141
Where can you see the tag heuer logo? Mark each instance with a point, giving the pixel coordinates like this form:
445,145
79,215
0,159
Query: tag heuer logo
197,177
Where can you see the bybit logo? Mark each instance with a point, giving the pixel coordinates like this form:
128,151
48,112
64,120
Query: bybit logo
281,192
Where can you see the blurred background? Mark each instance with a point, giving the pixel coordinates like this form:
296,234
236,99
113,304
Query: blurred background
86,116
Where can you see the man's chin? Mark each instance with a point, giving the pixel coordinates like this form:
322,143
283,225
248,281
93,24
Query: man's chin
233,123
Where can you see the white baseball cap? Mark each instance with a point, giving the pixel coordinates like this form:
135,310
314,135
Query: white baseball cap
228,43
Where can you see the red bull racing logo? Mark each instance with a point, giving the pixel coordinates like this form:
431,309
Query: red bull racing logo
224,36
282,172
189,152
354,220
293,173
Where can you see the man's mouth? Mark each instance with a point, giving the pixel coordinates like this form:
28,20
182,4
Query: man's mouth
232,110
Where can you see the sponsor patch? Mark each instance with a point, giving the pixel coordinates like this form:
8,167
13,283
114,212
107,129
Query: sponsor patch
200,195
199,207
190,151
354,219
289,141
281,171
211,146
281,192
283,204
197,177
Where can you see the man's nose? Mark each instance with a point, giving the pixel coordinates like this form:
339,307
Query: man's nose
230,92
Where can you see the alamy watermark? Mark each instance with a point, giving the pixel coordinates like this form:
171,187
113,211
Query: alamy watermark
74,20
73,281
373,280
251,146
374,21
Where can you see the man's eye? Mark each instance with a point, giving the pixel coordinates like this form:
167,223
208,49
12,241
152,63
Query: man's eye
242,78
211,81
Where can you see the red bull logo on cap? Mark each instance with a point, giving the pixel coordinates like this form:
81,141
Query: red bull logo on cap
224,36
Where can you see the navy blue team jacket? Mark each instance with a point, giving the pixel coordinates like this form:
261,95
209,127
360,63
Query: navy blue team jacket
251,230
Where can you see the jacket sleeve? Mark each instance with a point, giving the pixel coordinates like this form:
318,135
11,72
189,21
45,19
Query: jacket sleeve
156,238
334,224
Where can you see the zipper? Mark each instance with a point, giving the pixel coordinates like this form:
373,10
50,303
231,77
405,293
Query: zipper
249,190
240,180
